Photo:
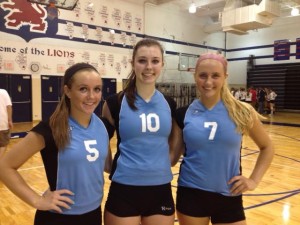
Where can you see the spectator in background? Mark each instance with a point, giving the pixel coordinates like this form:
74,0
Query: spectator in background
237,94
267,101
261,100
249,96
243,94
272,97
254,97
6,123
232,91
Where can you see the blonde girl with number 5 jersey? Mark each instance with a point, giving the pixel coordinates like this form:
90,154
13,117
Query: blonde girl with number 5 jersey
209,135
74,145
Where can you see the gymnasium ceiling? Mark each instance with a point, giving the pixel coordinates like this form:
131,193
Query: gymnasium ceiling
211,9
233,16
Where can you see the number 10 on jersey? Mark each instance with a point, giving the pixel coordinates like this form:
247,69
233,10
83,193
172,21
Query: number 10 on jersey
150,122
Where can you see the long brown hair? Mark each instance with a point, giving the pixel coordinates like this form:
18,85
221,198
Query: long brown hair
130,86
59,120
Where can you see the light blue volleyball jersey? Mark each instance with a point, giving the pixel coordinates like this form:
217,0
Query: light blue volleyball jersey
79,167
213,148
143,157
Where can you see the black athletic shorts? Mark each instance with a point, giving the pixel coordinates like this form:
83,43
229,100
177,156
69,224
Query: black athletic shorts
49,218
198,203
126,200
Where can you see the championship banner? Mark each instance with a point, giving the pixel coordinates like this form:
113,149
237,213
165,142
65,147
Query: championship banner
282,49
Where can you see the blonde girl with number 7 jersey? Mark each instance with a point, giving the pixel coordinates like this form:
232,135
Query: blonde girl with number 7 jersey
209,135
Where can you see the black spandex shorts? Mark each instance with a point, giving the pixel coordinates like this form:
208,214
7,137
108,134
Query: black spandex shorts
49,218
126,200
198,203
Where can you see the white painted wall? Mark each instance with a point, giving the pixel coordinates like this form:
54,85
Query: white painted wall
266,36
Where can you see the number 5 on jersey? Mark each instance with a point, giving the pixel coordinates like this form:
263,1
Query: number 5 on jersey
94,153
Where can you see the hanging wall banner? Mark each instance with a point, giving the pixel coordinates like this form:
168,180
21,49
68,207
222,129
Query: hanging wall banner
26,20
282,49
31,21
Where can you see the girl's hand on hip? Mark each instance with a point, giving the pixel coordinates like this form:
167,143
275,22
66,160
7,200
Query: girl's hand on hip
241,184
55,200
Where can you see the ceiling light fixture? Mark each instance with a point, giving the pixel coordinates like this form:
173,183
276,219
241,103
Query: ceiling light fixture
192,8
295,12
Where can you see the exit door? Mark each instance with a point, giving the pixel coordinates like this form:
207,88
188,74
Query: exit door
20,93
51,93
4,82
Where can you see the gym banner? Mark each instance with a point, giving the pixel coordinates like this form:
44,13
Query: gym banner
282,49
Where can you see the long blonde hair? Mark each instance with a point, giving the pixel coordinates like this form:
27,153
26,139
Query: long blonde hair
243,114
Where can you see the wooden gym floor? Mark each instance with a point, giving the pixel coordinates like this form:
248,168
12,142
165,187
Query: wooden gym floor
276,201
